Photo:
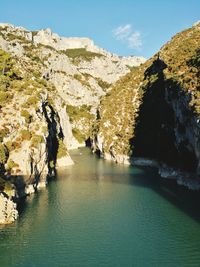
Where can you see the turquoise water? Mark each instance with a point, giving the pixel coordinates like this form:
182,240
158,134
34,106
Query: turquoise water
100,214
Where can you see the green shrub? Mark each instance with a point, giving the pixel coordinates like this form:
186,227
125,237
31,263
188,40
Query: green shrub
43,82
26,115
9,146
51,164
11,37
78,135
30,88
32,101
8,189
11,164
78,112
4,82
103,84
36,140
33,57
4,97
195,60
29,91
3,133
81,53
83,79
25,135
6,63
62,150
3,154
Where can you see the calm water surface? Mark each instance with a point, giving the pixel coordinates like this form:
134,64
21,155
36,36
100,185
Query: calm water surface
100,214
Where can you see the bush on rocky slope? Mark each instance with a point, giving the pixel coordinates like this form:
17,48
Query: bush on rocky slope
77,54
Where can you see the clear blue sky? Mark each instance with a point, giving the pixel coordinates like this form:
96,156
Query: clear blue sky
125,27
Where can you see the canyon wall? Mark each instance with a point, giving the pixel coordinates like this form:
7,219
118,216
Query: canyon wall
153,113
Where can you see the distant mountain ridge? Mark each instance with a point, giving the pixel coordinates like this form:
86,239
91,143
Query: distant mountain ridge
47,37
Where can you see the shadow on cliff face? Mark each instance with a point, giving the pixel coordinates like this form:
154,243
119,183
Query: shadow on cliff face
163,118
53,137
161,133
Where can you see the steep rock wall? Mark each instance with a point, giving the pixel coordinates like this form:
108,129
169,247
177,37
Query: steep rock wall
152,115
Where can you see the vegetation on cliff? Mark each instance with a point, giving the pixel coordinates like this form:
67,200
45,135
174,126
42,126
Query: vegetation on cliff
23,124
154,110
78,54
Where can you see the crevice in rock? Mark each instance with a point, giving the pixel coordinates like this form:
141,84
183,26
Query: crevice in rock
54,134
88,142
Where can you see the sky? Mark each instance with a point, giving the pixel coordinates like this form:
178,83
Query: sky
123,27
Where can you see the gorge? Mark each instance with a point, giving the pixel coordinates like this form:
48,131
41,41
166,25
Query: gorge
57,94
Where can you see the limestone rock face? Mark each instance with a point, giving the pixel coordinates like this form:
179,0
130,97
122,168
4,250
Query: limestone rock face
47,37
8,210
32,159
64,161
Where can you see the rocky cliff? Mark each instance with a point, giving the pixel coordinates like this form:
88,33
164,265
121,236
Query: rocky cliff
50,89
152,115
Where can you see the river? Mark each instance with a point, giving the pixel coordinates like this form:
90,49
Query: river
97,213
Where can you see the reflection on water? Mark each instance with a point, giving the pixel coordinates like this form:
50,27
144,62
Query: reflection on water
97,213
